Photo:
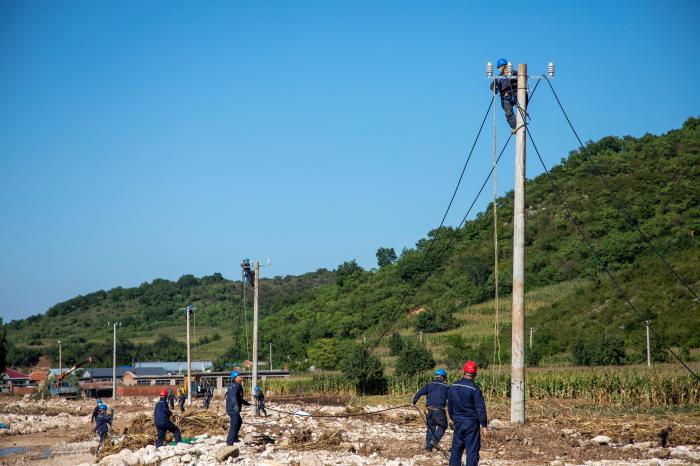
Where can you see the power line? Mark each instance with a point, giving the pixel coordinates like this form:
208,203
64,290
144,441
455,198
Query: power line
602,264
619,205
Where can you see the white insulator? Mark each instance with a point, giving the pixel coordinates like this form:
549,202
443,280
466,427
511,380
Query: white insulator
550,69
489,69
509,69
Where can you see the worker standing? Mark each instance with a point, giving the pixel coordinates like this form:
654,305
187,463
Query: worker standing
465,404
182,397
260,402
103,422
507,88
234,403
161,418
96,410
208,394
171,399
435,393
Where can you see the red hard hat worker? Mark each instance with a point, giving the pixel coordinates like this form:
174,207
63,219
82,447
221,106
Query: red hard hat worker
470,367
163,393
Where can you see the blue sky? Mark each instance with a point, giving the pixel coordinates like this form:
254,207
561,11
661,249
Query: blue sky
153,139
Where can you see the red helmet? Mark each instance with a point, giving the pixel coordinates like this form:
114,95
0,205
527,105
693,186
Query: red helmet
470,367
163,393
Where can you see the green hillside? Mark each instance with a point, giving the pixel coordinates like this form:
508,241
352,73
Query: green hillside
312,318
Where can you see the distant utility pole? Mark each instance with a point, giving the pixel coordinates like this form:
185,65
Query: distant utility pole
531,329
189,359
114,360
255,330
270,356
517,372
60,360
420,336
647,322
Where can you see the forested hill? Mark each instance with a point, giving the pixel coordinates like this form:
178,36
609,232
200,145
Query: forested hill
655,177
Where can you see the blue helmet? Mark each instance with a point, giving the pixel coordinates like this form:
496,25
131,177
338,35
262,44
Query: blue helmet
501,62
441,373
98,401
103,407
234,374
257,389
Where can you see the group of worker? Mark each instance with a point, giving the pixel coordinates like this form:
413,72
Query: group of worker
465,405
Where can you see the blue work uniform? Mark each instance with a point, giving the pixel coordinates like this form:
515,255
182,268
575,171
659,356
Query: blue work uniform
507,88
102,423
435,394
207,397
466,407
260,403
95,412
161,418
181,401
171,399
234,403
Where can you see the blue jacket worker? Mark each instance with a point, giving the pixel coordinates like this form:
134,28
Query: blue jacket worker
161,418
208,394
465,404
103,422
260,402
171,399
507,88
234,403
96,410
435,394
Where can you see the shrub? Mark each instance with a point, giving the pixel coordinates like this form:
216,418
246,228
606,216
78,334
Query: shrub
365,371
414,359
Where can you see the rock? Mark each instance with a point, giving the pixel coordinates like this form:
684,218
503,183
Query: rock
150,448
269,462
556,463
660,453
601,440
113,460
498,424
211,441
249,438
186,458
227,452
310,460
151,458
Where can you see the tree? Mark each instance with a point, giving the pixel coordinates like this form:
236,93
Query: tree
414,359
385,256
323,353
435,321
365,371
347,270
396,344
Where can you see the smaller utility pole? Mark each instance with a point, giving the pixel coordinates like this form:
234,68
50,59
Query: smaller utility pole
114,361
531,329
270,356
647,322
420,336
189,360
254,380
60,359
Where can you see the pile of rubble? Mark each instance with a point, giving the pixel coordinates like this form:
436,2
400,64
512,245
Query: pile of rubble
18,424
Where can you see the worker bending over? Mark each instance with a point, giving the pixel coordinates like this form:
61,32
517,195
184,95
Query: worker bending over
234,403
161,418
465,404
435,393
260,402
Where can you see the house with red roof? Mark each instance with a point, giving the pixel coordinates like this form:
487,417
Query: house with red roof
12,378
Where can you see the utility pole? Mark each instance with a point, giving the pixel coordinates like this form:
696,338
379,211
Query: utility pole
531,329
189,360
254,380
114,360
60,360
420,336
270,356
647,322
517,372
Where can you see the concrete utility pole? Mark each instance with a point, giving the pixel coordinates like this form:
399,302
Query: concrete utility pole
189,360
420,336
531,330
60,359
270,356
517,389
647,322
254,380
114,361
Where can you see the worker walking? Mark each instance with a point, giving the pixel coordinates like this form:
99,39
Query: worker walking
103,422
234,403
260,402
435,393
161,418
507,88
465,404
182,396
208,394
171,399
96,410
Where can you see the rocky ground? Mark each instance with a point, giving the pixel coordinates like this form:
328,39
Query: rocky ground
59,433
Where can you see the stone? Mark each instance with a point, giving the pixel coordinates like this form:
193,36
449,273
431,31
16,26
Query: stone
113,460
151,458
150,448
556,463
227,452
310,460
498,424
269,462
601,440
186,458
660,453
211,441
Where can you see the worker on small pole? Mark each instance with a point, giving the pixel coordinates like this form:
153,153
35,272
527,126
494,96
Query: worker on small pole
234,403
466,407
507,88
435,393
161,418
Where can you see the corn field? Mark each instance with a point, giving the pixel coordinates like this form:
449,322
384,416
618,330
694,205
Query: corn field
628,386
